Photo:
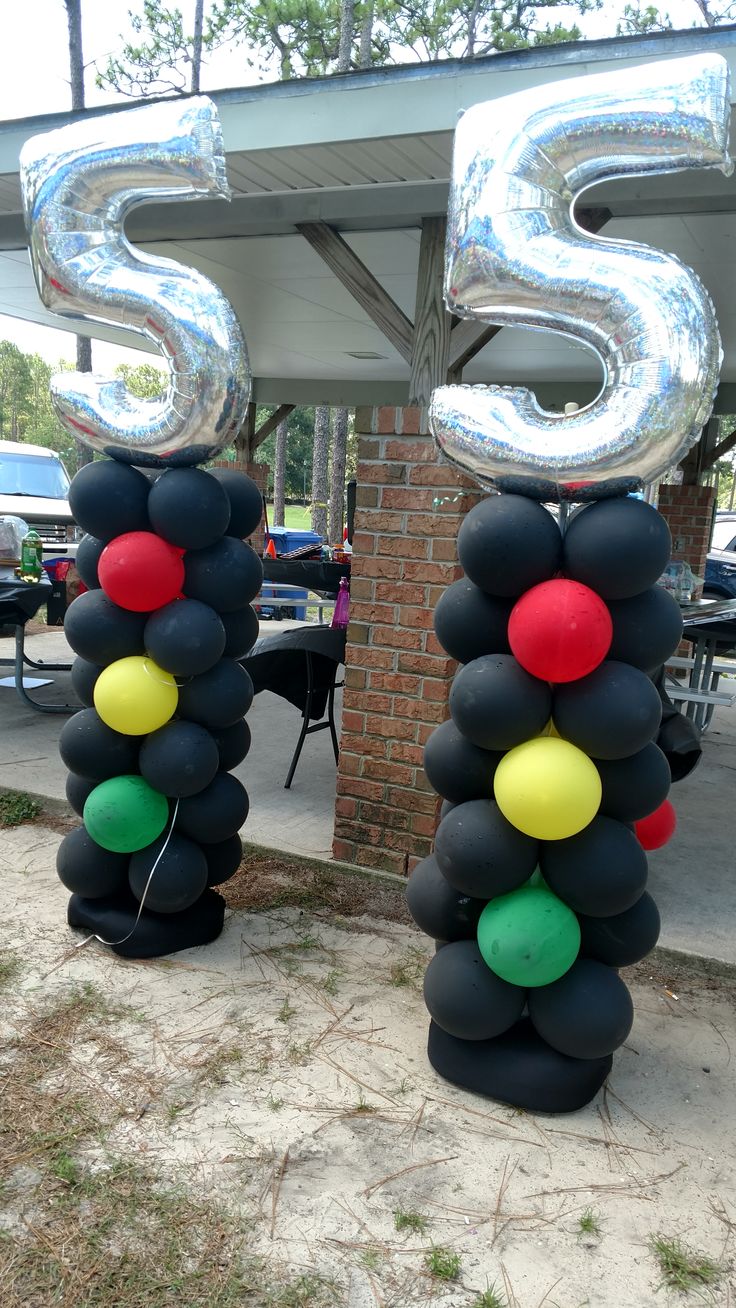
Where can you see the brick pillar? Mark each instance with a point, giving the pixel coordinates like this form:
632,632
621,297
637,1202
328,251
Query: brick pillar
689,514
397,675
259,474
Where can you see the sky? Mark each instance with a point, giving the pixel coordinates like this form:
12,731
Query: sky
34,80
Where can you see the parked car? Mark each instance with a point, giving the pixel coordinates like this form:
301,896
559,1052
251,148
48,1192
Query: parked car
34,486
720,567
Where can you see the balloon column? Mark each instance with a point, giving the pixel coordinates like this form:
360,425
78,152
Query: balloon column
157,668
167,614
553,785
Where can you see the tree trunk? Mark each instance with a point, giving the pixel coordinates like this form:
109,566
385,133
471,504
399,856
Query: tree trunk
320,461
347,28
197,48
76,79
337,474
76,59
366,36
279,475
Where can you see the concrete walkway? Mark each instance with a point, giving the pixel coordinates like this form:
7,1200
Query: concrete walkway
693,879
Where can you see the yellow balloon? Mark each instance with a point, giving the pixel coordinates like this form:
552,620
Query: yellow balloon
547,788
135,696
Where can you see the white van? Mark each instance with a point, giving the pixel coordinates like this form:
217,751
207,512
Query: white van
34,486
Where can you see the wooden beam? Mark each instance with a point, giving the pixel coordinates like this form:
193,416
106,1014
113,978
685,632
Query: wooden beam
271,424
362,285
431,344
467,338
723,447
244,439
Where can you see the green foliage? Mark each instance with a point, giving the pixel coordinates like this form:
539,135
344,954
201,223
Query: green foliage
145,381
407,1220
164,60
636,21
442,1263
490,1298
16,807
589,1223
682,1268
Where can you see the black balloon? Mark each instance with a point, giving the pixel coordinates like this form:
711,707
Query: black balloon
232,743
519,1068
646,629
216,813
246,501
241,631
84,680
179,878
108,499
185,637
600,871
480,853
456,768
497,705
189,508
78,790
179,759
587,1013
223,859
227,575
88,556
100,631
610,714
618,547
437,908
466,998
92,749
468,622
219,697
624,939
508,543
85,868
446,807
117,921
633,787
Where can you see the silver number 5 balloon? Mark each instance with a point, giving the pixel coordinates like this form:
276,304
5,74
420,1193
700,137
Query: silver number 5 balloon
78,184
515,256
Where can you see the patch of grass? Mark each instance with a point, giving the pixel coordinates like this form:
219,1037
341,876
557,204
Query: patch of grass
309,1289
10,967
17,807
589,1223
490,1298
442,1263
371,1259
274,1104
407,1220
286,1012
683,1268
64,1168
213,1067
330,983
299,1051
409,969
362,1107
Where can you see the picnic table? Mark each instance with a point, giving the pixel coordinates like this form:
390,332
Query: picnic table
710,627
19,602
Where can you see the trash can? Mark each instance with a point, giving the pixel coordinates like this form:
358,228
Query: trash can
56,570
287,539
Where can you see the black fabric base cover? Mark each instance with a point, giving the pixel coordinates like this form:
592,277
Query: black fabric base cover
157,933
518,1068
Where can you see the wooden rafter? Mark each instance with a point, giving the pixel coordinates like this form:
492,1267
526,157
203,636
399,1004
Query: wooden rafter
270,424
431,343
362,285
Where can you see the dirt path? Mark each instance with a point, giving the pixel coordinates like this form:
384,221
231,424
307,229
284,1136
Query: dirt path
279,1077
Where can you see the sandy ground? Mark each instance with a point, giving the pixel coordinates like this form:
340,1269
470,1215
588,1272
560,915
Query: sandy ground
282,1073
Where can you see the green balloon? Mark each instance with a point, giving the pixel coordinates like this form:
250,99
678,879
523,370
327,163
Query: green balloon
125,814
528,937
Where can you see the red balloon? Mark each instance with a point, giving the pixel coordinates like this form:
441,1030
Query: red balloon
560,630
140,571
655,830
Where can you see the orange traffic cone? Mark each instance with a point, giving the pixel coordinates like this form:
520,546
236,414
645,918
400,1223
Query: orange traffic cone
271,549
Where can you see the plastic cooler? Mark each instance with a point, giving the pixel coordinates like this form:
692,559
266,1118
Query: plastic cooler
287,539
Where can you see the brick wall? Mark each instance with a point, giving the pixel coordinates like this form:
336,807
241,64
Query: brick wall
259,474
409,508
689,513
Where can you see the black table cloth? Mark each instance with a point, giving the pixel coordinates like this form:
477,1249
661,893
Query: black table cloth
278,663
312,574
21,600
